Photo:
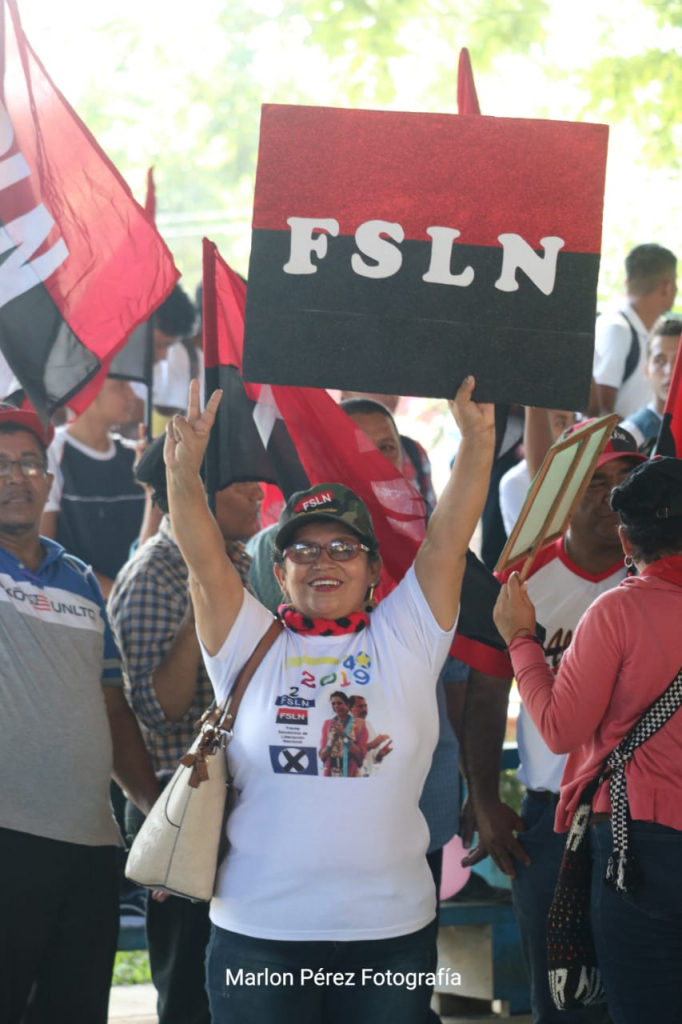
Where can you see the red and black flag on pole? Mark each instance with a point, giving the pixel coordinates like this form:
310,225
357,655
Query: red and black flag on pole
249,440
669,440
83,266
397,252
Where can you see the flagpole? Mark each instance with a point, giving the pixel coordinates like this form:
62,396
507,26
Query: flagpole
209,347
149,375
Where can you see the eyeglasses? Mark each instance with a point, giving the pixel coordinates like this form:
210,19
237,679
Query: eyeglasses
338,551
28,467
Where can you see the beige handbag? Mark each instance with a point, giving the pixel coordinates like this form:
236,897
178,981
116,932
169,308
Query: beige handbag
178,846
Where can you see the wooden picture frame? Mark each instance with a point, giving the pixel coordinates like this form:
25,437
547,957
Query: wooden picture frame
554,493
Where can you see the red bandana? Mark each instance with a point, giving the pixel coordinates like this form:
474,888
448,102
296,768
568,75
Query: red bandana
353,623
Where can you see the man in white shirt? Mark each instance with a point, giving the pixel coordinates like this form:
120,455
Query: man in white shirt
621,336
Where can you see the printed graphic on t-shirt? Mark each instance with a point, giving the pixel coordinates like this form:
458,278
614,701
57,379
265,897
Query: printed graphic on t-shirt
294,760
323,720
557,646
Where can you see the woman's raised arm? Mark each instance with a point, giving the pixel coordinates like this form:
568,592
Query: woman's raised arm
217,591
442,557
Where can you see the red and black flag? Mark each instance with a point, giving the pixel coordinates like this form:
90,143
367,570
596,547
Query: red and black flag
83,265
669,440
397,253
249,440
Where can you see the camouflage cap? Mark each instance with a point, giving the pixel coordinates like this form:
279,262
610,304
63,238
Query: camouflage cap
326,503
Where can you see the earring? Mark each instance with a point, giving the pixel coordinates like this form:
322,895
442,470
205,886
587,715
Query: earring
628,562
370,603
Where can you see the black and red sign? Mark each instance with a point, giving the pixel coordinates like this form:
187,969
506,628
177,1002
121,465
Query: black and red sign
398,252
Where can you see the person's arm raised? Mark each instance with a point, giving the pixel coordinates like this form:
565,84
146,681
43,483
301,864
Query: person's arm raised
442,557
216,588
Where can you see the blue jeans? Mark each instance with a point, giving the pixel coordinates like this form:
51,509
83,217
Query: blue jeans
272,982
639,937
532,893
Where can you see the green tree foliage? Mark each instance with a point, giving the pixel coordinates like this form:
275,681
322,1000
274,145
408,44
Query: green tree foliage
197,117
645,89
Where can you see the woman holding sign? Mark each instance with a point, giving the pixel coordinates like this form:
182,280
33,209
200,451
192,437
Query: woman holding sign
324,908
625,655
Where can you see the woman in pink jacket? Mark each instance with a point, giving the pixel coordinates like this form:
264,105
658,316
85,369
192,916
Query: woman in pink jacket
626,651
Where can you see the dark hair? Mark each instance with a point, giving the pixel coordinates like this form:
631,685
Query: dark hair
19,428
665,327
337,693
366,407
646,265
176,314
649,503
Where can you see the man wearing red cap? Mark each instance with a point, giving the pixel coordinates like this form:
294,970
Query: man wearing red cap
65,729
566,577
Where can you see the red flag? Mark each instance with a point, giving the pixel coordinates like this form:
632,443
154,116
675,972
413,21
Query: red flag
150,198
85,265
669,440
467,99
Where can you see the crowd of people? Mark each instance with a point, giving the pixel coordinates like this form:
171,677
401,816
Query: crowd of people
128,603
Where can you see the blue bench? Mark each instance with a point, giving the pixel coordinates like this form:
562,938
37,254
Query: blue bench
131,938
508,974
507,969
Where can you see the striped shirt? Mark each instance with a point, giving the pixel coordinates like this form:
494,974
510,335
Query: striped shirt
146,607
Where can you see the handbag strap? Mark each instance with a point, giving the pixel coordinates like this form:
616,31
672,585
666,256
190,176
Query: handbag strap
230,706
219,718
621,871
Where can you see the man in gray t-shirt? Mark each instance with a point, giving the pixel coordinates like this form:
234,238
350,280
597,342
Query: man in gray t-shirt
65,729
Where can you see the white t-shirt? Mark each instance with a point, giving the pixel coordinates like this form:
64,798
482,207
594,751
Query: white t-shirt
612,342
513,490
561,593
315,856
171,377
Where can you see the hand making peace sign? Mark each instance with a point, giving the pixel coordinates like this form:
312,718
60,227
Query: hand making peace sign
187,436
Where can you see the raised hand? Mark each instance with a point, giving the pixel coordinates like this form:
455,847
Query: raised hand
187,436
471,417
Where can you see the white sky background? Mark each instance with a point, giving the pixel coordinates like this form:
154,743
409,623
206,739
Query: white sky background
641,204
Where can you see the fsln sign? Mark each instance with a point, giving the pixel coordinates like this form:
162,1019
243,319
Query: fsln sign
399,252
